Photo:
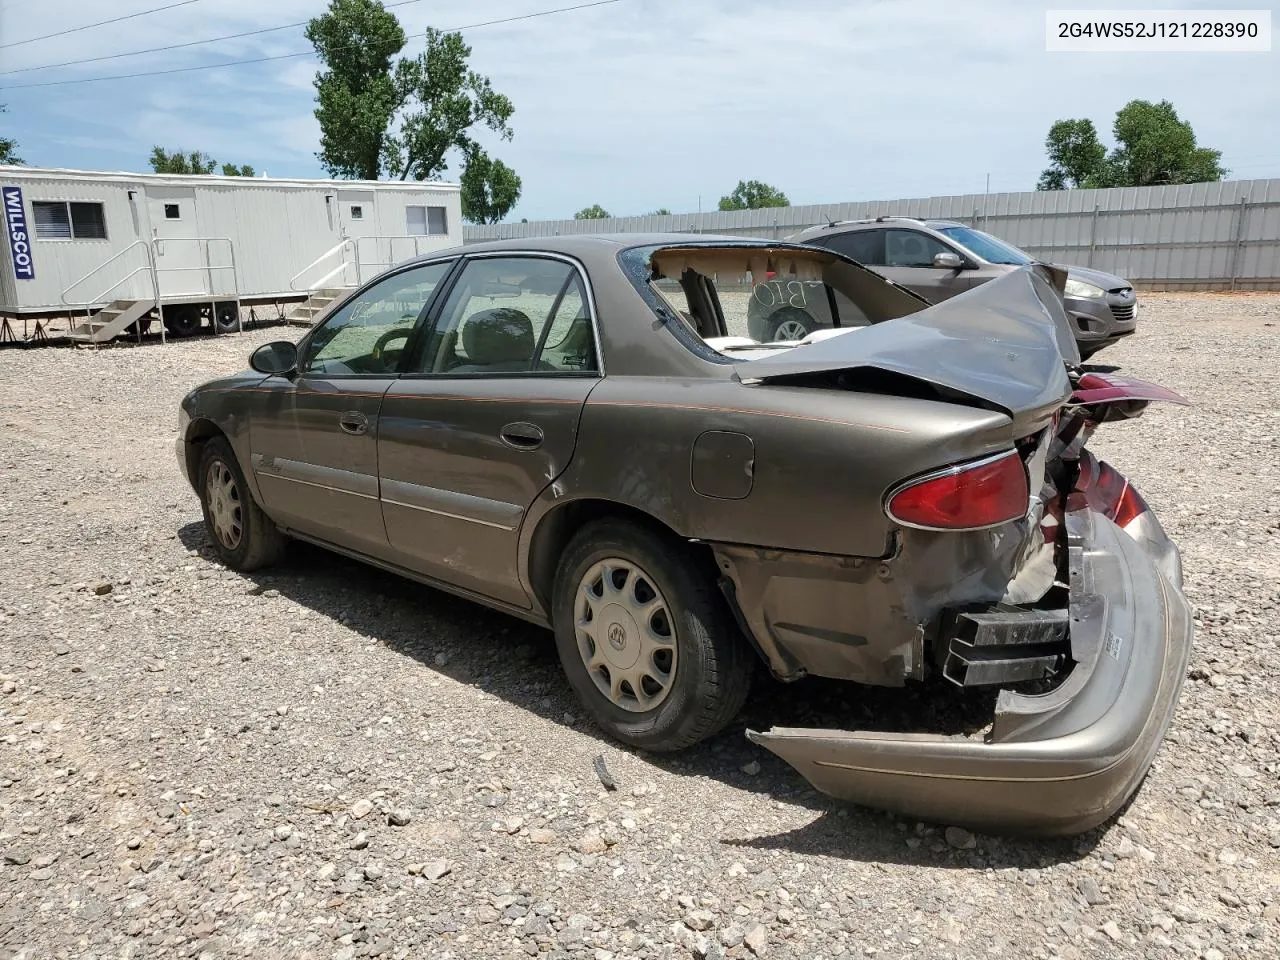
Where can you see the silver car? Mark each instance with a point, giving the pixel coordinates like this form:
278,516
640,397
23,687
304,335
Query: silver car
938,259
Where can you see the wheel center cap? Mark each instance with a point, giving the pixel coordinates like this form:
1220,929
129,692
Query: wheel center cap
621,647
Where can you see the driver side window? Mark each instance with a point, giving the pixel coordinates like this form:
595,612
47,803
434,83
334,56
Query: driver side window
368,334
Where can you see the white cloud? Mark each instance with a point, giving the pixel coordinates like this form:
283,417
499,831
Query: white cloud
648,103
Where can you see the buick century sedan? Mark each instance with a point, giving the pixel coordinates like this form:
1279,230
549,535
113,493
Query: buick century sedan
575,431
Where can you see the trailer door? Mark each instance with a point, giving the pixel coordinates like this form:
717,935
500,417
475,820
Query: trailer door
179,255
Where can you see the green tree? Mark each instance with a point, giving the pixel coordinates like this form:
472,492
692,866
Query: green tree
660,212
356,95
593,212
1076,156
489,188
163,161
752,195
231,170
380,113
7,147
1153,146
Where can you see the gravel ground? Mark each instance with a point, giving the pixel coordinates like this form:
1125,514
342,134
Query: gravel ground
326,761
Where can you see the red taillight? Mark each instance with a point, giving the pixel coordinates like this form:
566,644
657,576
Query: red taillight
1109,492
968,497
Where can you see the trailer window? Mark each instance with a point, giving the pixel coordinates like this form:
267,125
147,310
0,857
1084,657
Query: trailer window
172,211
357,212
426,221
69,220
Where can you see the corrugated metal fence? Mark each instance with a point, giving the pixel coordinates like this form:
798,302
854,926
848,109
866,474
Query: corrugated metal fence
1201,236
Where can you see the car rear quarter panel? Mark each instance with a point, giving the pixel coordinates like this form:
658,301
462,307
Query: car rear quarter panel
823,459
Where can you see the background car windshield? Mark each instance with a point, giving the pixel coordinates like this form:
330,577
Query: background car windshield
987,247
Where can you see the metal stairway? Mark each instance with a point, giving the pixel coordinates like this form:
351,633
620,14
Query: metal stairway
111,321
312,310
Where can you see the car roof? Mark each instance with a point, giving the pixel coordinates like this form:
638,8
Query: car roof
585,244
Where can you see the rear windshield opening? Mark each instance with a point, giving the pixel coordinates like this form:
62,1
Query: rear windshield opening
750,302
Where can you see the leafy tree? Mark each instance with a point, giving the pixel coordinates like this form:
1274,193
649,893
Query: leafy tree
489,188
752,195
400,116
162,161
356,95
593,212
231,170
7,147
1076,156
660,212
1152,146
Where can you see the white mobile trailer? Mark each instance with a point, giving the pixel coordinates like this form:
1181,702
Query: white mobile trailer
80,241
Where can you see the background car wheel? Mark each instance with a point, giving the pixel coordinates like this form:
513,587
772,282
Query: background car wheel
182,320
243,536
226,317
645,637
791,323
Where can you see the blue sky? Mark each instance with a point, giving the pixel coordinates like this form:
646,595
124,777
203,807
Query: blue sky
646,103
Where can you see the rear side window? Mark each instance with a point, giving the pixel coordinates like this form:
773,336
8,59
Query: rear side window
509,315
864,246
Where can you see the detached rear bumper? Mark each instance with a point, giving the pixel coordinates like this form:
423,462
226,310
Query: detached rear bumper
1059,763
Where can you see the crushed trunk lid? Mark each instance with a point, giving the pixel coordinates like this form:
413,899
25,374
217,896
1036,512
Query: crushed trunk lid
1004,343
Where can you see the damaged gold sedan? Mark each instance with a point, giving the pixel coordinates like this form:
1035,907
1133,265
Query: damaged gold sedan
575,430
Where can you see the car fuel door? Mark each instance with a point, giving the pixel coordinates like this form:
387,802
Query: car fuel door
486,420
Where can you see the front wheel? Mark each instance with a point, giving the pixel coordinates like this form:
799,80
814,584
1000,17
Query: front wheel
645,637
244,537
182,320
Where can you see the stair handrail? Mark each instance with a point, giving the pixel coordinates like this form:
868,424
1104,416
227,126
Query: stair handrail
345,244
203,245
416,238
150,267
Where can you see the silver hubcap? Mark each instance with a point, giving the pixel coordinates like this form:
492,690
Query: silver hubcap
791,330
626,635
224,504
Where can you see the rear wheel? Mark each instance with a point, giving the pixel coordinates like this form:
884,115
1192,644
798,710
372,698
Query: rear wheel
226,316
244,537
182,320
791,323
645,638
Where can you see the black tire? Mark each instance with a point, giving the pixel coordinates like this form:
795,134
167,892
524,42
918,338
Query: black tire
182,320
139,328
713,665
226,316
790,316
259,543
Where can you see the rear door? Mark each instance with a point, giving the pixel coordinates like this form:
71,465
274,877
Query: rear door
314,449
904,256
486,418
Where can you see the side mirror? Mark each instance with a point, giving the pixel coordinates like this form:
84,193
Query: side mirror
948,261
276,359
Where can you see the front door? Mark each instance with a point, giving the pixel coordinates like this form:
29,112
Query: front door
485,418
908,260
315,448
180,265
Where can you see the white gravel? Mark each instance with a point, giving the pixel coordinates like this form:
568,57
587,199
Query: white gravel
326,761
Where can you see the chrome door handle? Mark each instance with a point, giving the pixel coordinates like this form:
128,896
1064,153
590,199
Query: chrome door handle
522,436
354,422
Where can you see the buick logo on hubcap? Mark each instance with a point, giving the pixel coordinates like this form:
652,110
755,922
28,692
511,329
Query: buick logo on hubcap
617,636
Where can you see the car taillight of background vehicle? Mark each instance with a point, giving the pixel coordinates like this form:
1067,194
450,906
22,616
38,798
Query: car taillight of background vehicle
970,496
